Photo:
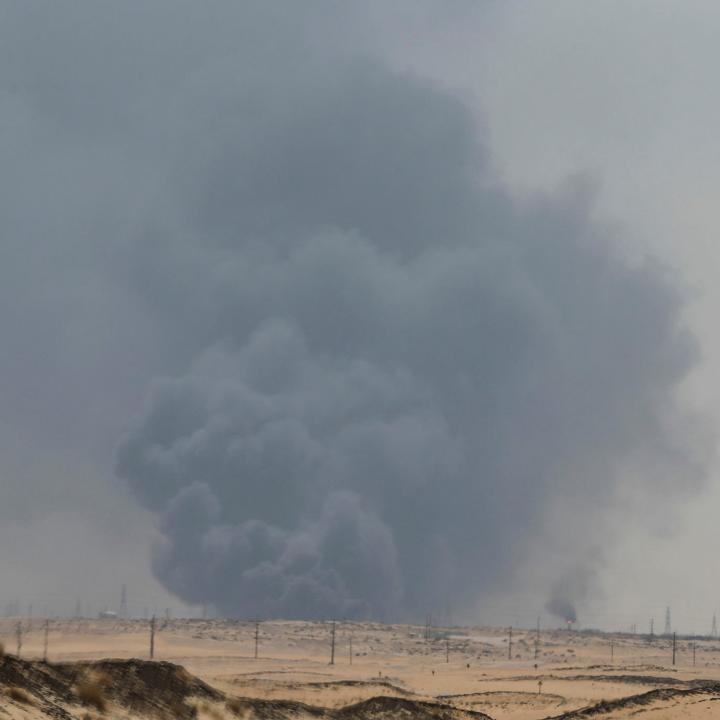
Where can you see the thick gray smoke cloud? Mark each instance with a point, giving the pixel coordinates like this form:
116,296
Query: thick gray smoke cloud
387,366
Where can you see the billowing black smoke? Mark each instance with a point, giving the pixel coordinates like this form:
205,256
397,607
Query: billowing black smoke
388,367
575,586
562,608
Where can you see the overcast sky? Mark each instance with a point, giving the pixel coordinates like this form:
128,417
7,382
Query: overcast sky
337,304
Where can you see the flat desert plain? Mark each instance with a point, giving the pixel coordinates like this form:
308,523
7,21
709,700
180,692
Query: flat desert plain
208,669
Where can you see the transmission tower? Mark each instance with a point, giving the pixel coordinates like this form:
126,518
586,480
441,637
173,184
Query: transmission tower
428,626
668,623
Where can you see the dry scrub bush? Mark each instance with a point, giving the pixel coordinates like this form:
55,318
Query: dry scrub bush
90,693
100,678
19,695
236,707
211,711
179,710
182,674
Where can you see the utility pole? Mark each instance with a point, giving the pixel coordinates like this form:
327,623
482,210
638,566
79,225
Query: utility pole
693,647
714,626
152,637
537,639
674,646
510,643
18,634
123,602
447,649
668,624
257,636
652,629
351,648
332,644
45,639
612,651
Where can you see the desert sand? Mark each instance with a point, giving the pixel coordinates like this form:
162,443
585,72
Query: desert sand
394,671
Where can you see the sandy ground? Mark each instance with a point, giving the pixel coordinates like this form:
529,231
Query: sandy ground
467,668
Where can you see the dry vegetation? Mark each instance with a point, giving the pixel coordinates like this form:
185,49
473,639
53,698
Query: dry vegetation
92,694
19,695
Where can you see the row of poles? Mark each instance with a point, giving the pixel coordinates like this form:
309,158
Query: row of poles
257,638
19,632
333,636
333,633
693,647
46,631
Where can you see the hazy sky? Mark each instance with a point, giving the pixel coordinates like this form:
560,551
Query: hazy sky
371,309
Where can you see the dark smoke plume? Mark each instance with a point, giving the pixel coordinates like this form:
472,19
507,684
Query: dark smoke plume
562,608
388,367
574,586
